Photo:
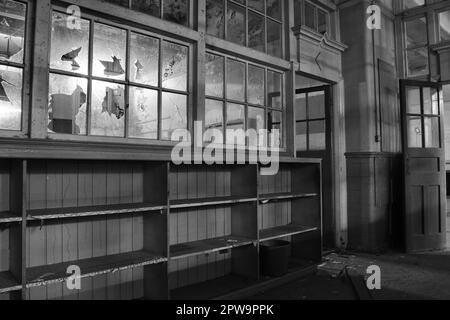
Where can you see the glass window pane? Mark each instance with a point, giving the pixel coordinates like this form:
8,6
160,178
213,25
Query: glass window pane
444,25
67,105
322,21
256,85
235,80
213,118
151,7
174,114
256,121
408,4
256,33
417,61
107,109
415,132
416,32
274,90
214,75
215,18
431,101
274,36
174,66
10,98
176,11
69,47
235,121
301,136
274,9
256,4
236,24
413,100
144,57
143,113
109,52
317,135
310,14
316,105
12,30
432,132
298,12
275,120
300,107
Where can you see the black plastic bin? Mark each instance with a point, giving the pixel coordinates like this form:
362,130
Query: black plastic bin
275,258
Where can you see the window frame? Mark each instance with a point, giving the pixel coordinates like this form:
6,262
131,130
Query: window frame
225,100
127,83
316,8
307,119
407,49
25,66
245,6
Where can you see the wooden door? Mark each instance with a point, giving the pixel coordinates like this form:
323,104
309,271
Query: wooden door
424,166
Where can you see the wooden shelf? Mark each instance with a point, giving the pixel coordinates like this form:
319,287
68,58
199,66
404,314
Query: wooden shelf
284,231
209,246
48,274
212,289
285,196
7,217
8,283
67,213
209,202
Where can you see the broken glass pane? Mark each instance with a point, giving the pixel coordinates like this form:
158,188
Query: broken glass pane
174,114
109,52
69,47
256,32
213,119
236,24
275,89
10,98
215,18
255,85
144,59
214,75
107,109
176,11
174,66
12,30
67,105
235,80
143,113
151,7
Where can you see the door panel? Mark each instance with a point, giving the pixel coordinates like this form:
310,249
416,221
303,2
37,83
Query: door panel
424,164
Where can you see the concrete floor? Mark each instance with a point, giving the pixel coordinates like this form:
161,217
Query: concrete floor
403,277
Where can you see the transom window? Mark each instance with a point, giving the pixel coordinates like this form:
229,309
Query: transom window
312,16
409,4
244,96
171,10
256,24
116,82
311,121
416,44
12,42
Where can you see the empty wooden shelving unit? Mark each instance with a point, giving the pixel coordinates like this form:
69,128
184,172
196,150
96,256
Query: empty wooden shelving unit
150,230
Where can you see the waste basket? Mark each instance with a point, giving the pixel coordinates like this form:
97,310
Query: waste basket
275,257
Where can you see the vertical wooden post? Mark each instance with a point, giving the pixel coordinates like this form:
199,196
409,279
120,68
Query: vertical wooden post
40,71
